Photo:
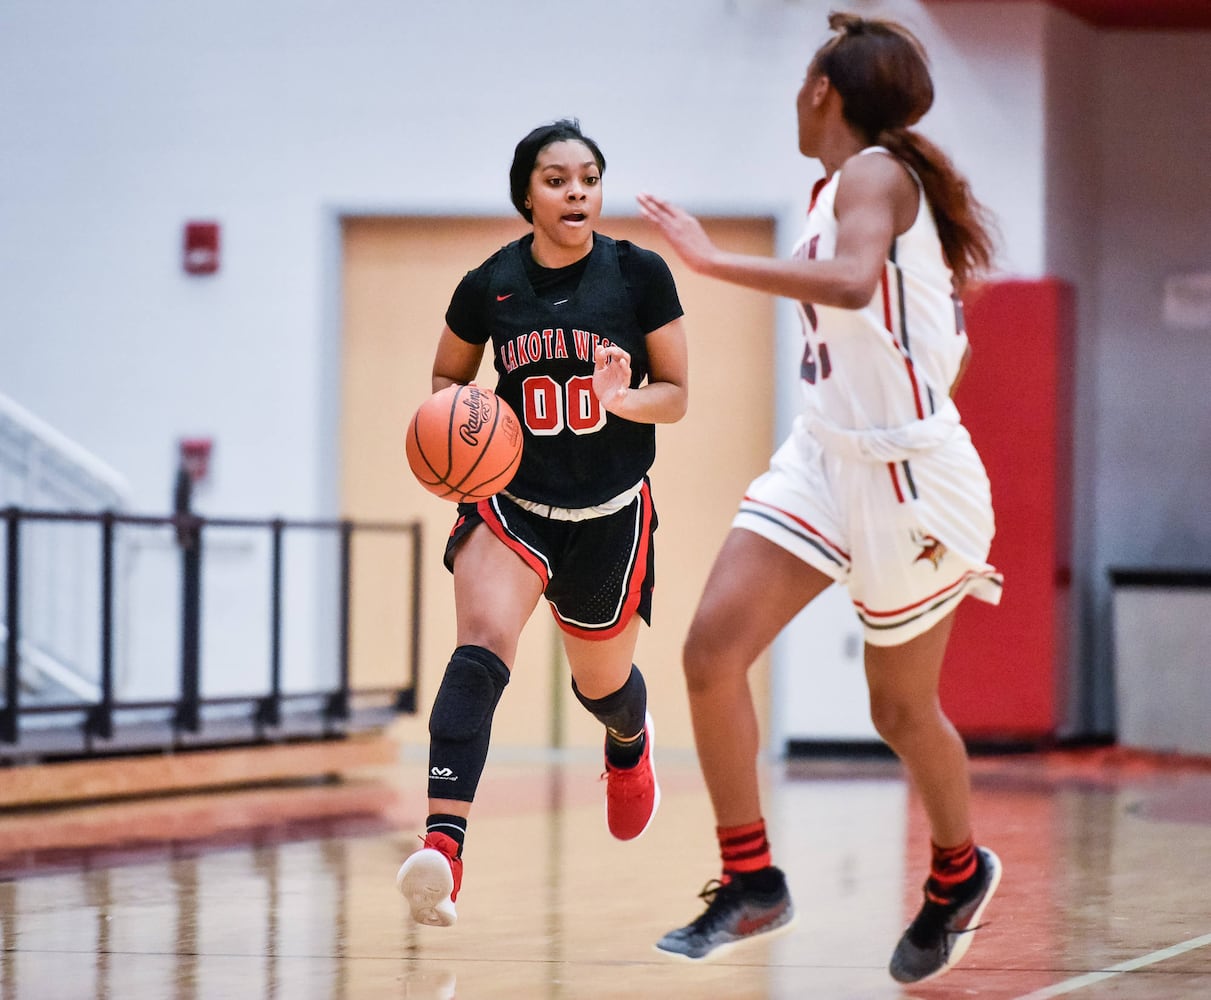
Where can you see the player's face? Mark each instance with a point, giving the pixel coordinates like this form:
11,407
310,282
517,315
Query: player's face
808,105
565,198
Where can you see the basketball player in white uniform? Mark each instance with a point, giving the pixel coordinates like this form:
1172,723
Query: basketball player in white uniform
878,486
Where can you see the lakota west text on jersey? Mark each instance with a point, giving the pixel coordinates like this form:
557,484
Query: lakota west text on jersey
527,348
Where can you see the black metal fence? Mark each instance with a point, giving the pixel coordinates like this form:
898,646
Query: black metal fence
107,721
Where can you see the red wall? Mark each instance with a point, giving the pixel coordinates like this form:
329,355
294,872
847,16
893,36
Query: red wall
1005,666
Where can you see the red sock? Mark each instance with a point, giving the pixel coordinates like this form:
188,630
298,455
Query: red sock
744,848
951,866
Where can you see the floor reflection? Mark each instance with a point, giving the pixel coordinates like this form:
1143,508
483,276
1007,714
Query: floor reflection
288,892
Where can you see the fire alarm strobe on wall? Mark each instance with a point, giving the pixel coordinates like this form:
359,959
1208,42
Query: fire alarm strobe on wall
195,457
201,247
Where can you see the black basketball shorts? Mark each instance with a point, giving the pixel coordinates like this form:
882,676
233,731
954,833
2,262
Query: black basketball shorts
596,573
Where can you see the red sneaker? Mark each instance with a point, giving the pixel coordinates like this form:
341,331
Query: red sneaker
430,880
632,793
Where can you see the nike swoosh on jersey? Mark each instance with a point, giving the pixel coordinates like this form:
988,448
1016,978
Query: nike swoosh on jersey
501,298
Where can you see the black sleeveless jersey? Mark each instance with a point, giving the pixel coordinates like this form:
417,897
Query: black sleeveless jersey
575,453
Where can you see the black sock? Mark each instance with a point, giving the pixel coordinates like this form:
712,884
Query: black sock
622,713
454,827
763,880
624,755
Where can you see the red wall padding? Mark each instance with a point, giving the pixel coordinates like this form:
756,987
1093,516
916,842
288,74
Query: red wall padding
1005,666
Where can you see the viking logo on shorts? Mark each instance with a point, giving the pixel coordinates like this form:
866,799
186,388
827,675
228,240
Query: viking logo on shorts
931,548
442,774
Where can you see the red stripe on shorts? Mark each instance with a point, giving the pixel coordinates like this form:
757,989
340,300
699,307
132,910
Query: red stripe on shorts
497,527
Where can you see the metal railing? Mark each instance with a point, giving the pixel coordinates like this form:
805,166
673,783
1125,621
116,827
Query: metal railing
114,720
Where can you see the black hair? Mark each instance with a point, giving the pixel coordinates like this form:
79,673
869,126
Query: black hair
526,155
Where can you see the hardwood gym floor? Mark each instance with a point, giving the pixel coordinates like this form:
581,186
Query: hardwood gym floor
287,891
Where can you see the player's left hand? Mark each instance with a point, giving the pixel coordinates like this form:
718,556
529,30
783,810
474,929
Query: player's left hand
611,376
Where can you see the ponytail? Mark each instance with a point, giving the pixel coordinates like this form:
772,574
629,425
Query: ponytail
964,225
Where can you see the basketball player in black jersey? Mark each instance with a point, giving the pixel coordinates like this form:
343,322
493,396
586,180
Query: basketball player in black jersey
587,341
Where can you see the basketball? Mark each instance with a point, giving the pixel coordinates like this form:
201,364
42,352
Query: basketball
464,443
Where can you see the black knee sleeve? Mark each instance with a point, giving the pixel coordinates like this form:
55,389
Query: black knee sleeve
623,712
460,723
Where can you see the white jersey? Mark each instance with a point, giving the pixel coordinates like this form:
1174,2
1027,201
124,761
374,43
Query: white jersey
893,361
879,485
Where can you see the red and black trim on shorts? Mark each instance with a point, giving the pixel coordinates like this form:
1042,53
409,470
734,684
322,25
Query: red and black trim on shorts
797,526
596,573
947,597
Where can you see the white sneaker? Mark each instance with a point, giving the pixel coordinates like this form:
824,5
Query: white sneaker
430,880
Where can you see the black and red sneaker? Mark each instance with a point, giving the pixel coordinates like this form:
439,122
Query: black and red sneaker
942,930
738,910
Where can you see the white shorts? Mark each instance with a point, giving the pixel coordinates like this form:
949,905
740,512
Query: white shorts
907,538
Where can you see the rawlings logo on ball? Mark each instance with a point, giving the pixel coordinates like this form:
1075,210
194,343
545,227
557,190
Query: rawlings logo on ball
479,413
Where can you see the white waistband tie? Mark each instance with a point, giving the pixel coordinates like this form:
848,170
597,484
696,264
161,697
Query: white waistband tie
611,506
887,444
